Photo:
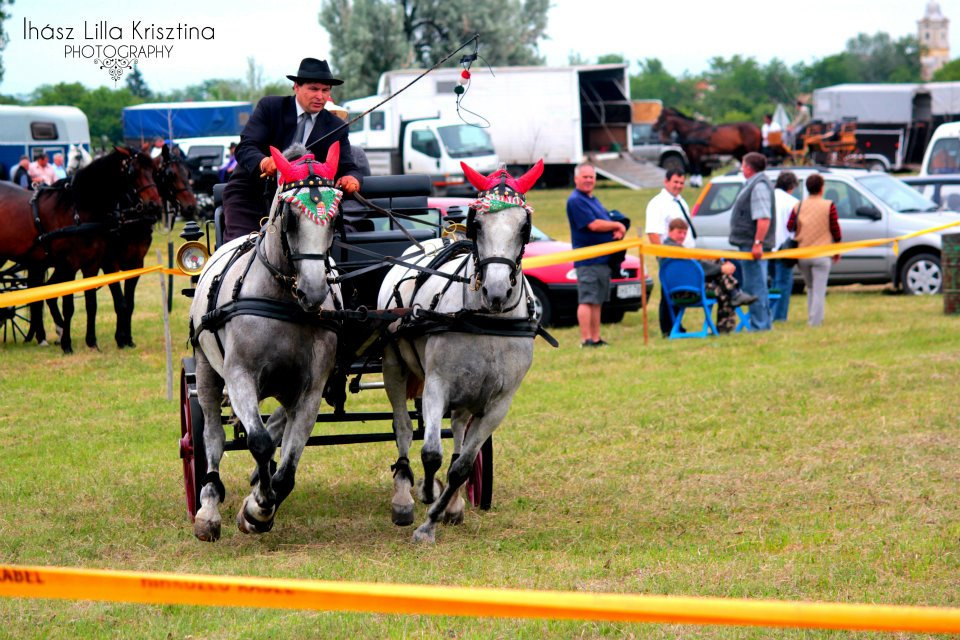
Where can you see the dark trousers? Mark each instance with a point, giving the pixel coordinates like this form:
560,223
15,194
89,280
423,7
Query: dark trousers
666,322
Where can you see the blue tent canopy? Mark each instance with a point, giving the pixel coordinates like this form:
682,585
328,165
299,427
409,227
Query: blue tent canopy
185,119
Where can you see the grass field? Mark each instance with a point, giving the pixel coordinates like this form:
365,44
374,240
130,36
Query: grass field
797,464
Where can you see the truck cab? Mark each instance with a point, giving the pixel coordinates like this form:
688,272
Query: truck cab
431,146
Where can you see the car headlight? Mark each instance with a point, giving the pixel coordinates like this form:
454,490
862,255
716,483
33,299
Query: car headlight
192,257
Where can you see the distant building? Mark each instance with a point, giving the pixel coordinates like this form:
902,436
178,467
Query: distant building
933,34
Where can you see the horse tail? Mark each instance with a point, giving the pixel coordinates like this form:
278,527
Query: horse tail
414,387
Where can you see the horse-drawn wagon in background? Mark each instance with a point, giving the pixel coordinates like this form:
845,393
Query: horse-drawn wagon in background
327,290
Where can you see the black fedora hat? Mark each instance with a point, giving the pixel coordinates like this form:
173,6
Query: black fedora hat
313,70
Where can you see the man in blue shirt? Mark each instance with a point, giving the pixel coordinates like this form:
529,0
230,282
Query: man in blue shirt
590,224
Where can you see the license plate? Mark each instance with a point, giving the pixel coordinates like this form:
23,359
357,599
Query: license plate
628,291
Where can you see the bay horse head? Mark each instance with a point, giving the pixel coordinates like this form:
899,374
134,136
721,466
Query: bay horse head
141,197
499,223
173,182
301,223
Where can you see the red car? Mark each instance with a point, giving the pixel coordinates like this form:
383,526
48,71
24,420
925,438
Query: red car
555,286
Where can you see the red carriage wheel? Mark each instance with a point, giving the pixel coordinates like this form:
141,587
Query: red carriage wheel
480,482
191,437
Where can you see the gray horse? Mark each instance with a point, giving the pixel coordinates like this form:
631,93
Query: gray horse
256,326
471,343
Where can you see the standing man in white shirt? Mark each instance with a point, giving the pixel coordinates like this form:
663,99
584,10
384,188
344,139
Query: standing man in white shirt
768,127
664,207
784,202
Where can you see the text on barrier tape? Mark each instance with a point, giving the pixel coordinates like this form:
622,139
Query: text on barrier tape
173,588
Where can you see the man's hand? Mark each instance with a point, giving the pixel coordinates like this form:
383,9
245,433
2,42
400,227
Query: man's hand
619,232
348,184
836,258
757,251
728,268
268,167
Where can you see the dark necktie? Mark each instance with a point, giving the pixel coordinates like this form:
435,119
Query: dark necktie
301,127
693,231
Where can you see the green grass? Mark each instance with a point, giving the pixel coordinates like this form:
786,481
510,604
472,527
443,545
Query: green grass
798,464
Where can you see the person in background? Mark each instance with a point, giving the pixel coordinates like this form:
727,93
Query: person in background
718,279
800,120
21,176
768,127
665,207
784,201
228,166
815,224
58,166
752,230
41,171
590,224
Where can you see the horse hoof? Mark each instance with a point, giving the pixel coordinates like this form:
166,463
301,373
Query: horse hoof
453,518
43,343
422,495
424,534
206,530
402,515
250,522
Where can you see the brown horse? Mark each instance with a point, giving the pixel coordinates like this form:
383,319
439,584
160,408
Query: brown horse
66,227
128,246
130,240
700,139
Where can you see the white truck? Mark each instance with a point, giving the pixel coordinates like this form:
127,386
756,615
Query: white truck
410,136
559,114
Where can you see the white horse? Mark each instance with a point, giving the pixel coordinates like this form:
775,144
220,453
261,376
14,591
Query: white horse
77,158
280,348
471,343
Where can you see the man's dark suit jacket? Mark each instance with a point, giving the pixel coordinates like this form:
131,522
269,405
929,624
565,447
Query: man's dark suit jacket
273,123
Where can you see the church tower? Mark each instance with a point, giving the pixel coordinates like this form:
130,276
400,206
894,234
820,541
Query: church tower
932,33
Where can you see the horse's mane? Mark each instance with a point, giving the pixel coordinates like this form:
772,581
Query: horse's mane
98,186
681,114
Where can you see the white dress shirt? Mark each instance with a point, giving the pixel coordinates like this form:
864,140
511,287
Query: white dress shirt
662,209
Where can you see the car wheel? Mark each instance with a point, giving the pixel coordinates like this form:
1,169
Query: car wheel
542,309
673,162
922,275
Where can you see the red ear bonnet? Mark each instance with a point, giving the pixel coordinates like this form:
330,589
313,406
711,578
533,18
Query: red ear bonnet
520,185
300,168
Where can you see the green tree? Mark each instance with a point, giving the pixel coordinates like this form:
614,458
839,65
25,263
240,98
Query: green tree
103,106
4,16
137,85
369,37
654,82
949,72
883,59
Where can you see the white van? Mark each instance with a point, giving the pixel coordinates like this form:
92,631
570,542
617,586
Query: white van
943,153
30,130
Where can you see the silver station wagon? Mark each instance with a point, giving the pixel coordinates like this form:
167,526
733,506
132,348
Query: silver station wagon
869,205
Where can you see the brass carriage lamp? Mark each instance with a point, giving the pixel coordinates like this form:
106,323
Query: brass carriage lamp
192,255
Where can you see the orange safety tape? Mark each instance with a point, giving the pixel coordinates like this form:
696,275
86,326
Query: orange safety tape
22,297
665,251
174,588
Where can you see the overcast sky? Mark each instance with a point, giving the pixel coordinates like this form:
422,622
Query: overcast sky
684,35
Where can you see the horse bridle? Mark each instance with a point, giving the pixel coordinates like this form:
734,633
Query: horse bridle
134,201
313,183
166,181
505,194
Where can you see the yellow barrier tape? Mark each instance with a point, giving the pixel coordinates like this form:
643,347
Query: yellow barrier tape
26,296
174,588
664,251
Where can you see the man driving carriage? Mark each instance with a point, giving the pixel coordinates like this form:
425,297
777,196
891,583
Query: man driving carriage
280,121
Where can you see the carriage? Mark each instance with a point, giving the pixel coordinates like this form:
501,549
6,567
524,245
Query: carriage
372,234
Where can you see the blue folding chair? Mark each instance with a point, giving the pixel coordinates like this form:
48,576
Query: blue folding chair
681,281
743,317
